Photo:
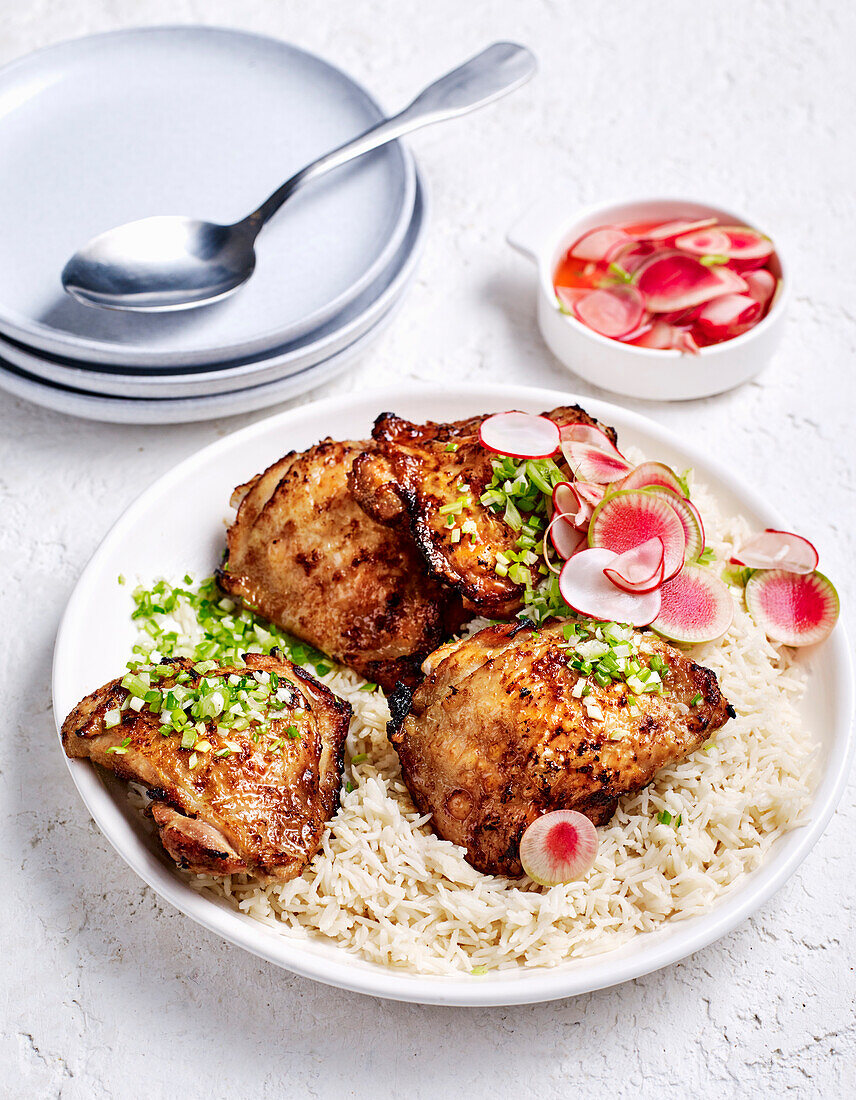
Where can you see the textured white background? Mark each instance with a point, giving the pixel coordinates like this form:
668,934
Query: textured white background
105,992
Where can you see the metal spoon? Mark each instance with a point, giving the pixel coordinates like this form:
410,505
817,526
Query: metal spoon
171,263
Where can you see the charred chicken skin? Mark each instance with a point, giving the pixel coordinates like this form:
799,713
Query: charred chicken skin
255,800
303,554
411,472
494,737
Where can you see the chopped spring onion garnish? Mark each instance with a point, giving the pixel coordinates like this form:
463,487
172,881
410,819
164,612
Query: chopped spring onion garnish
607,654
479,970
706,556
664,817
359,758
696,699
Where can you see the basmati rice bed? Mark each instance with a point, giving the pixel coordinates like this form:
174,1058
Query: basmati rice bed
385,888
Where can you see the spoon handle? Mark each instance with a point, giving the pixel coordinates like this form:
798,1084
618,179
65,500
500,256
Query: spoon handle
487,76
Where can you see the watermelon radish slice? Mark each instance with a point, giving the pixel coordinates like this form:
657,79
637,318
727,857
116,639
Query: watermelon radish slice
559,846
675,280
730,315
695,607
588,433
589,492
746,244
690,519
667,230
600,245
590,463
778,550
639,569
520,435
624,520
796,609
647,474
565,537
704,242
761,285
586,589
612,311
632,256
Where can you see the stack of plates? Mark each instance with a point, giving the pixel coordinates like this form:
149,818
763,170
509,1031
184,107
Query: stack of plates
206,122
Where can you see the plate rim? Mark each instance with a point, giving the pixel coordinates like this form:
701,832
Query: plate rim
534,985
38,336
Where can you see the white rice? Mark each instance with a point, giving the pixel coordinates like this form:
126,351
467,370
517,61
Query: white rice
385,888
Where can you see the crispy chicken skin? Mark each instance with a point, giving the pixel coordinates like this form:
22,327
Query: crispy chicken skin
493,737
410,471
259,810
303,553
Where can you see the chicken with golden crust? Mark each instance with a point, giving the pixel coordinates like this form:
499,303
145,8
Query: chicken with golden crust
243,763
500,732
421,476
303,554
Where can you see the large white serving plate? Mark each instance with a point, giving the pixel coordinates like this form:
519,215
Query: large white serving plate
176,527
190,120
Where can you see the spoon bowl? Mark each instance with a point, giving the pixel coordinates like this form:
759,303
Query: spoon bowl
160,264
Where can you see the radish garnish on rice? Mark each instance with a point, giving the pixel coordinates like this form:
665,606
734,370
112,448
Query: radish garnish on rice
557,847
520,435
797,609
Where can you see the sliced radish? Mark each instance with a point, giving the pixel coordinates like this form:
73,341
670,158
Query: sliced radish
586,590
778,550
588,433
565,536
796,609
590,463
559,846
632,256
746,244
626,519
568,503
651,473
589,491
690,519
677,281
667,230
730,315
761,285
661,337
696,607
598,245
567,295
645,326
639,569
612,311
520,435
704,242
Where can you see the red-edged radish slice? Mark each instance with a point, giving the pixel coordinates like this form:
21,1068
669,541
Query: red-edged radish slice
586,590
593,464
567,295
588,433
778,550
612,311
675,281
632,256
639,569
565,536
704,242
520,435
730,315
626,519
660,337
690,519
589,491
761,285
647,474
598,245
746,244
567,502
796,609
645,326
695,607
557,847
666,230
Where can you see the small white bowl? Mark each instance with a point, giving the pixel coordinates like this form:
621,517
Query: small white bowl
544,236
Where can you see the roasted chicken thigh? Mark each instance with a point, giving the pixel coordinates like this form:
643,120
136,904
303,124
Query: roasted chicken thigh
303,553
496,735
254,799
412,474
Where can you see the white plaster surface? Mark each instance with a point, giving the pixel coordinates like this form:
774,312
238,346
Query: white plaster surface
106,993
